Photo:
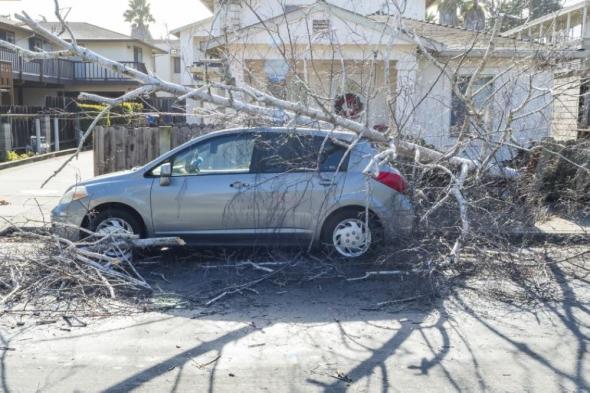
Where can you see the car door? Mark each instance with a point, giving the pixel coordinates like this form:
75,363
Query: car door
290,188
209,191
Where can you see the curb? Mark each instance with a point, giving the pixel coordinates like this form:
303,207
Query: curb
40,157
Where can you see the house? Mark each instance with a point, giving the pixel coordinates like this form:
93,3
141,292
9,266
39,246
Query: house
567,28
168,65
193,60
34,81
374,64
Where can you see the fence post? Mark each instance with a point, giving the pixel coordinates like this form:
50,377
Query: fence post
77,129
56,132
38,135
165,134
5,141
47,129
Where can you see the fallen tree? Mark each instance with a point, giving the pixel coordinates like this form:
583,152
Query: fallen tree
41,265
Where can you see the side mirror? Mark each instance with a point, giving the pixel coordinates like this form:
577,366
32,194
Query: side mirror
165,174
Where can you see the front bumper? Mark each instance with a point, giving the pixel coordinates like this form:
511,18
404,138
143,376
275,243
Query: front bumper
67,219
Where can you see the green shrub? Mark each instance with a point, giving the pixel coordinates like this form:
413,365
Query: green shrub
14,156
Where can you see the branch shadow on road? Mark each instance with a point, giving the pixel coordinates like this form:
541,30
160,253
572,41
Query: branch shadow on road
331,304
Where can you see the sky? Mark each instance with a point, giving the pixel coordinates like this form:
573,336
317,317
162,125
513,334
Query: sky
169,14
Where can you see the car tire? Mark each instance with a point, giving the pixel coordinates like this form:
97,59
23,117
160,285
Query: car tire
346,234
126,220
113,219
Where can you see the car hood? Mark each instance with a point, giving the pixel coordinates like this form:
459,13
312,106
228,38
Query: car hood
108,178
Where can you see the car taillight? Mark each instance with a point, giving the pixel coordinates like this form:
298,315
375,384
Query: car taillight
393,180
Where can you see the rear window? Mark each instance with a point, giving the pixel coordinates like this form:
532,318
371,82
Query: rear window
278,153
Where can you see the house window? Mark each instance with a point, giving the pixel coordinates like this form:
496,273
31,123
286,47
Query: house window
137,54
36,44
459,112
176,65
320,25
7,36
277,72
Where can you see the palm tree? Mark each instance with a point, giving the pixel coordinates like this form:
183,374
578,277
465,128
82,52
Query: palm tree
451,12
447,12
474,16
140,17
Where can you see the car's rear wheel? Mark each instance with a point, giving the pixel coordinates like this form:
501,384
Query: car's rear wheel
113,221
350,234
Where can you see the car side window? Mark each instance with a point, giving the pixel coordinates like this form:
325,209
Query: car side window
333,156
219,155
292,152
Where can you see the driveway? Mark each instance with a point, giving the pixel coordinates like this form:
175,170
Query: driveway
28,203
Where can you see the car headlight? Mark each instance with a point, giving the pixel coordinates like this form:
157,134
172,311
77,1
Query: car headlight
75,193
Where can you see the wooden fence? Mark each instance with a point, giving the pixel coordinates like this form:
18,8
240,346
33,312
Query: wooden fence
118,148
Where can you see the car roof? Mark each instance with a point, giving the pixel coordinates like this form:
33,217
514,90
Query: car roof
338,134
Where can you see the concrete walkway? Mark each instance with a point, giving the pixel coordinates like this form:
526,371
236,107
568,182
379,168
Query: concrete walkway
24,202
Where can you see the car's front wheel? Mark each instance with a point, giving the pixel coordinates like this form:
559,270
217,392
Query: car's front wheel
350,234
113,221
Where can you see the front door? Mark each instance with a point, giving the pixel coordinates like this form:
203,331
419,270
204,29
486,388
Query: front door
209,192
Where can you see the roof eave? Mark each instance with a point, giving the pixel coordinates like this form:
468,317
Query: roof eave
510,53
210,4
23,28
179,30
130,40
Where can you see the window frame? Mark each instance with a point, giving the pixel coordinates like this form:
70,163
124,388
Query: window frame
150,173
455,129
317,140
176,65
320,25
9,36
137,54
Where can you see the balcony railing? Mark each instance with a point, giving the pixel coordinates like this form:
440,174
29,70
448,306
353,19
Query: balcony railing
64,71
212,68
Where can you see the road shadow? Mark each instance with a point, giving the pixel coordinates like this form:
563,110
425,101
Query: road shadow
311,292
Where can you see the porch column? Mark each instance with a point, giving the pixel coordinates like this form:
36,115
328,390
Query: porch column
236,69
585,29
407,69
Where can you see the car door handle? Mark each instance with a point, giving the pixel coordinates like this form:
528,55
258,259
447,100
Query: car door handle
327,182
238,185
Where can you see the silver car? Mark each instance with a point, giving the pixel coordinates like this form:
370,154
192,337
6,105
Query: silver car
261,186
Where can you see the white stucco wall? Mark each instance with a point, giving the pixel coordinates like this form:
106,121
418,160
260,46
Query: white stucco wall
187,55
433,115
121,51
164,63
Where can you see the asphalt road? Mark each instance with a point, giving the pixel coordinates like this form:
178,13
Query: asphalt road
316,338
20,187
